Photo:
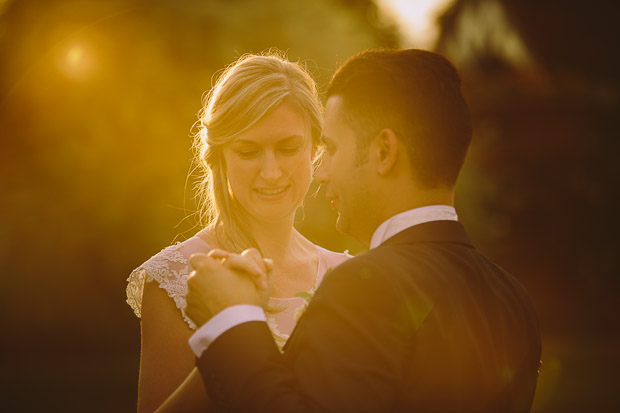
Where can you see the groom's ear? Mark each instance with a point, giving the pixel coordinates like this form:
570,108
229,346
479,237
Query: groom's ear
386,151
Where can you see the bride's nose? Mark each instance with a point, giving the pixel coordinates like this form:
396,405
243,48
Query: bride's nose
271,169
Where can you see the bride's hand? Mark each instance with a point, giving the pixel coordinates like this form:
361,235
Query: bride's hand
249,261
220,281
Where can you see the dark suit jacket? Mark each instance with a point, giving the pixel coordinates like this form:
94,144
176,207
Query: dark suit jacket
422,323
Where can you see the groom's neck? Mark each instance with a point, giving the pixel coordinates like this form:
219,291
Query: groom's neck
396,201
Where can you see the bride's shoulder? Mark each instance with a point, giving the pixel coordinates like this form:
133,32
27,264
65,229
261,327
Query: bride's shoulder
170,269
175,256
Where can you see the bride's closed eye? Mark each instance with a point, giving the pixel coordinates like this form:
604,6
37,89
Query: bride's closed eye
246,150
291,149
247,154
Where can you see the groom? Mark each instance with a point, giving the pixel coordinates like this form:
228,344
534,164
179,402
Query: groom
422,322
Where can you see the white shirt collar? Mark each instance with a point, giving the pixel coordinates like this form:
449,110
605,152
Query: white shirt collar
416,216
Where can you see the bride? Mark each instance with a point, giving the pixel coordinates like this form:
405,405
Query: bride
257,145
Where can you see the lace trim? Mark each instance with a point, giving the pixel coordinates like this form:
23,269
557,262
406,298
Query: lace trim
170,269
279,337
172,280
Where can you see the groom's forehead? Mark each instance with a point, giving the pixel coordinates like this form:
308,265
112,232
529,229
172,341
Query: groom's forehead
335,117
334,107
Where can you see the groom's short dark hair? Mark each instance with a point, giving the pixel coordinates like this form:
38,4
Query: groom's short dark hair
417,94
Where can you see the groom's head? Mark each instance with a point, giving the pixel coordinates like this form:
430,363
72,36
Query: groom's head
396,122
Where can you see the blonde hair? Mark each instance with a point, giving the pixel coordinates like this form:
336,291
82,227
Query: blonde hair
243,94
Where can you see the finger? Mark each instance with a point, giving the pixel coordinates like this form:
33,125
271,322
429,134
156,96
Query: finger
218,254
262,281
257,257
244,263
194,280
268,262
267,281
191,275
252,263
252,253
201,261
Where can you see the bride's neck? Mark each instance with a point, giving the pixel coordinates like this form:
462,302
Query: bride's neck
276,240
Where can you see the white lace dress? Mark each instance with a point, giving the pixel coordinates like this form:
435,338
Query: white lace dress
170,269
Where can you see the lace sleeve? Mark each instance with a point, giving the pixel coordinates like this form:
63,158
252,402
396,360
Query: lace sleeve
170,269
135,283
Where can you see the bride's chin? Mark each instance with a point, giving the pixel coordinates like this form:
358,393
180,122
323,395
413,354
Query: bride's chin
274,215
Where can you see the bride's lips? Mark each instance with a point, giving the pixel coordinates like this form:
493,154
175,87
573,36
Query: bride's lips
272,193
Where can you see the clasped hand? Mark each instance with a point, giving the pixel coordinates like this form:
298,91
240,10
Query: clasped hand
221,279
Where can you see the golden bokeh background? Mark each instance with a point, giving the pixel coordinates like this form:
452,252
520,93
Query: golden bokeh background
97,103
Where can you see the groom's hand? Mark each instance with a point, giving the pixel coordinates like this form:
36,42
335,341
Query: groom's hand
221,280
249,261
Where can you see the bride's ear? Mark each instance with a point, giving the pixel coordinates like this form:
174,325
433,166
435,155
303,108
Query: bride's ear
386,151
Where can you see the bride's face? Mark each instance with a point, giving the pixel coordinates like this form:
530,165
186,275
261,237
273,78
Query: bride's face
269,166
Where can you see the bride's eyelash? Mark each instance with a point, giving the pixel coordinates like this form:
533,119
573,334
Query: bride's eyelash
247,154
290,150
287,150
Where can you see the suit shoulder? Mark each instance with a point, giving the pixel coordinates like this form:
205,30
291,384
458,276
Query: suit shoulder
380,272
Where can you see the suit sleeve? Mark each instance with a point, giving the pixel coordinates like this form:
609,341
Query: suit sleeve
347,353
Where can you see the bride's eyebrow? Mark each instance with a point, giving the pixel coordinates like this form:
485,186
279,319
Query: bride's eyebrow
290,138
256,142
244,142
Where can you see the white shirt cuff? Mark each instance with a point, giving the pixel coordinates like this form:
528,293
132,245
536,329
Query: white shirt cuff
222,322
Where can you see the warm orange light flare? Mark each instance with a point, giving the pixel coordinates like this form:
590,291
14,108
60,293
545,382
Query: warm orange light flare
74,55
76,61
416,19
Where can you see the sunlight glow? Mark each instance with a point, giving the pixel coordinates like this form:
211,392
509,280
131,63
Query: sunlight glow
74,55
416,19
76,61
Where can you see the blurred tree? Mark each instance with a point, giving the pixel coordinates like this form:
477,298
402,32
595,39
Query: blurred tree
97,102
539,189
